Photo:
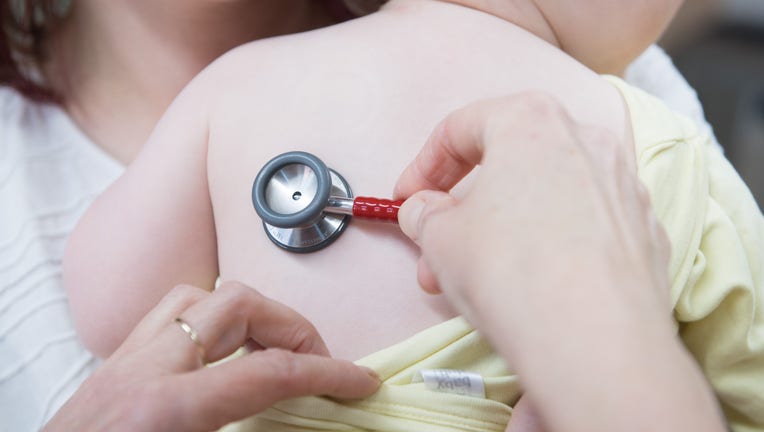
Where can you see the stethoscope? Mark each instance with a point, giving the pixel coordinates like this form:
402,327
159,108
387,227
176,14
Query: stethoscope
305,205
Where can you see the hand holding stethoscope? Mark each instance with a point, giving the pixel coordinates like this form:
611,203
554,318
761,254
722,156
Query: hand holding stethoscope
305,205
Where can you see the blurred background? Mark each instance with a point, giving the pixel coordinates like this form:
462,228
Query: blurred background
719,47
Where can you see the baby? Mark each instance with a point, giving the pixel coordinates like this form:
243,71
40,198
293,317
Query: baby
363,96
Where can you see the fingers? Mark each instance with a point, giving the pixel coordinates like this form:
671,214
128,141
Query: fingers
524,418
171,306
458,143
235,313
246,385
415,211
426,277
413,216
528,122
439,165
454,148
291,361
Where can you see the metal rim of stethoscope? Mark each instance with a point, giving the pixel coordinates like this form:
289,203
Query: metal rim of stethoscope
290,194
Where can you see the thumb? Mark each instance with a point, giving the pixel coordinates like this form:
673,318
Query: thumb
415,212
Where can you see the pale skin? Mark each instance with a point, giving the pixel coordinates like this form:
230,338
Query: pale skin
366,117
152,381
142,53
610,320
309,82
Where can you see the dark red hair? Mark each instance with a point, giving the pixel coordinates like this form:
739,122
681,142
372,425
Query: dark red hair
21,44
23,29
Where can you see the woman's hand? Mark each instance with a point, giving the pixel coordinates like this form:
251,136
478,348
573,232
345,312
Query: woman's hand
155,380
555,256
550,195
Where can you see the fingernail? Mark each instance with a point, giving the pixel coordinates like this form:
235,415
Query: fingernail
415,207
372,373
408,217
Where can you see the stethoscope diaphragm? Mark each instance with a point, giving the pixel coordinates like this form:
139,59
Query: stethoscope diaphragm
305,205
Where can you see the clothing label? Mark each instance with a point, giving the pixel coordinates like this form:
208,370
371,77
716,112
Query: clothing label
452,381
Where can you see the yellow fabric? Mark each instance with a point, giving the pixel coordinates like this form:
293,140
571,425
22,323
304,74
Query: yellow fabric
717,261
399,405
716,270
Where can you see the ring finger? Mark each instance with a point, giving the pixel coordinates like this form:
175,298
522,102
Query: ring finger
234,314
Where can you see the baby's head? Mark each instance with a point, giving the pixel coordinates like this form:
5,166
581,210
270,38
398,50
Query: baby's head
607,35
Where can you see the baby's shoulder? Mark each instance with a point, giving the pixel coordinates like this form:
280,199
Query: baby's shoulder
297,54
269,78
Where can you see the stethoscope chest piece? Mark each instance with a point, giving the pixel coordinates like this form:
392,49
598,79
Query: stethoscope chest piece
290,194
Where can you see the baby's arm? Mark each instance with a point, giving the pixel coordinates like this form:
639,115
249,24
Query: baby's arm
151,230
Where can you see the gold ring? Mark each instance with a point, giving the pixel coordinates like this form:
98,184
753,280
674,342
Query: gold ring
195,338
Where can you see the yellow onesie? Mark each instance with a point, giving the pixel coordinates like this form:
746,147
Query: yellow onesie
717,253
717,289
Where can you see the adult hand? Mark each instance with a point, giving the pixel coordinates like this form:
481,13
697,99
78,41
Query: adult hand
155,380
554,254
550,194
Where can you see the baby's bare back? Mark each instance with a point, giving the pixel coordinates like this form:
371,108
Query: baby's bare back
363,96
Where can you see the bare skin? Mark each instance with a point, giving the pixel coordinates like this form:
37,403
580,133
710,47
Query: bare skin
411,64
361,95
605,343
152,381
142,53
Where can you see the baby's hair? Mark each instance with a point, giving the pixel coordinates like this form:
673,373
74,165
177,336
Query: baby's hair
344,10
363,7
25,24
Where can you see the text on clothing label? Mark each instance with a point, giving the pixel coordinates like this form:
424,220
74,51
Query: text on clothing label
452,381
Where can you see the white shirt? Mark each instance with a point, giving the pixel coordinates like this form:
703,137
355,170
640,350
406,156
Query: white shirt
49,174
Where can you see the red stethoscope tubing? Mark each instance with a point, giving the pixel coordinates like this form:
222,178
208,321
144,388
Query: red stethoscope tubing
376,208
